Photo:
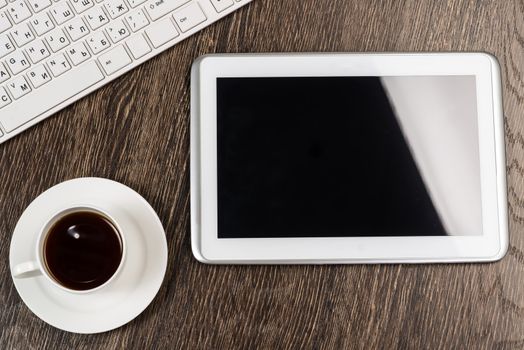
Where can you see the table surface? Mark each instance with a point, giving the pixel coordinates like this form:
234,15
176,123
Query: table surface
136,131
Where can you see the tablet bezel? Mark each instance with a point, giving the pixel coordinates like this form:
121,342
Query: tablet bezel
208,248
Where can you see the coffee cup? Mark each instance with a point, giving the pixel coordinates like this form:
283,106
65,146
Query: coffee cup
80,249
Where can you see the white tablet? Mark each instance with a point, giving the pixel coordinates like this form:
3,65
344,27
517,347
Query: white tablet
347,158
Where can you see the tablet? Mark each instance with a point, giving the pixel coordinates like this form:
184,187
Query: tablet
347,158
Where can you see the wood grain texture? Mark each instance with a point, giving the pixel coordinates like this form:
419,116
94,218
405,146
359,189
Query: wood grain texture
136,131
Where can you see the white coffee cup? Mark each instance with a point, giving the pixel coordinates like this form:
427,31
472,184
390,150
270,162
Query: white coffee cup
36,267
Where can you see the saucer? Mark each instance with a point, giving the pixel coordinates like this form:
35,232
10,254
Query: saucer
133,288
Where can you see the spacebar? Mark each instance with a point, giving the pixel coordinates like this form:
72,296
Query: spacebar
50,95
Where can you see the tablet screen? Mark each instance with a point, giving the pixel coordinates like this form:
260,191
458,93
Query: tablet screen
347,157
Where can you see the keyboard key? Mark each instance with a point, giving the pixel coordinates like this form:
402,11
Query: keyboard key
4,98
22,34
57,40
5,24
4,74
38,76
161,32
37,51
117,31
39,5
221,5
17,62
135,3
55,92
6,45
77,29
98,42
115,8
62,13
82,5
58,65
96,18
137,20
138,46
18,11
42,23
114,60
18,87
78,53
189,17
160,8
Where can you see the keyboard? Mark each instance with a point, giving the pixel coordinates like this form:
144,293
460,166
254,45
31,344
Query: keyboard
54,52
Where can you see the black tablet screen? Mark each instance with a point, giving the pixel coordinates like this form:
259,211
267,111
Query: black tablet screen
347,156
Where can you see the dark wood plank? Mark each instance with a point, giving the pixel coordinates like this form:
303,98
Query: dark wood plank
136,131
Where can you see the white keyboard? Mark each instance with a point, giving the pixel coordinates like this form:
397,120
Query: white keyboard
53,52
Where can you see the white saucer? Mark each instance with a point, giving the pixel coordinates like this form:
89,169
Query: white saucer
132,290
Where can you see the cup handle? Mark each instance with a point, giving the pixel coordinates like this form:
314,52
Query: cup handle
23,270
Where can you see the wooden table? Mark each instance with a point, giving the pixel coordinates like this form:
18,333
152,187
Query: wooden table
136,131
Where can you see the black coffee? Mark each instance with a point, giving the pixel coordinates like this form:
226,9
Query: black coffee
82,250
